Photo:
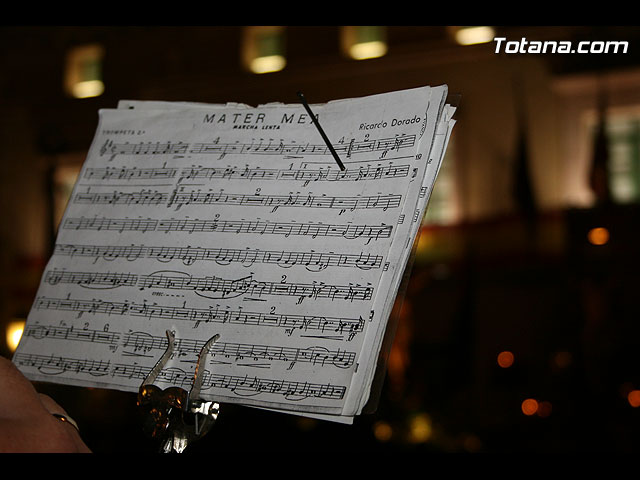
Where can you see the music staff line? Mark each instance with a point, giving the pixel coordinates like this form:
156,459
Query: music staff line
260,148
307,176
347,231
334,328
311,260
141,343
242,386
212,287
179,198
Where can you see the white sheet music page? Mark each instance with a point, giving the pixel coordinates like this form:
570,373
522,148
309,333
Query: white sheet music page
237,221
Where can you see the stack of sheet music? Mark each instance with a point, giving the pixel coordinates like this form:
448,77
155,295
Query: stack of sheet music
236,220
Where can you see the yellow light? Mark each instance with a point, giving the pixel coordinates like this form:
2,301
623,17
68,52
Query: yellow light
598,236
271,63
505,359
426,241
363,51
364,42
83,74
420,428
474,35
14,333
87,89
263,49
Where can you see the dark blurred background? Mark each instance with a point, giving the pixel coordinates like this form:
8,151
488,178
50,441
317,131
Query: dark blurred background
519,329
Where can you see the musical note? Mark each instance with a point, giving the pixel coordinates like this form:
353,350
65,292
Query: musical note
143,148
143,197
312,261
305,175
197,316
211,286
96,280
362,146
183,197
260,227
133,173
56,364
240,385
142,344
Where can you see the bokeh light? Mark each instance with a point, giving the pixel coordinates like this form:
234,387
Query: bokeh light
420,428
505,359
544,409
382,431
562,359
634,398
598,236
529,406
14,333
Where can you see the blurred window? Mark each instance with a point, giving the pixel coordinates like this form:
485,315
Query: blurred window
623,133
442,208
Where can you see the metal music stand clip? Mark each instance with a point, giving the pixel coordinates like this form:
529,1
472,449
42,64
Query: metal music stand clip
173,416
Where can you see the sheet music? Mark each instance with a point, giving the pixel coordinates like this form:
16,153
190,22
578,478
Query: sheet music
236,220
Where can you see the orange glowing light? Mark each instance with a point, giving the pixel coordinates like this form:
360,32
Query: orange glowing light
505,359
382,431
471,443
633,397
426,241
544,409
598,236
562,359
529,406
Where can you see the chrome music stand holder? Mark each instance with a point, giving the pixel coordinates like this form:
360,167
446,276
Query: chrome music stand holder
173,416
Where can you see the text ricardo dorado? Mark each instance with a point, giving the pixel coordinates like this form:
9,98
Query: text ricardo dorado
394,123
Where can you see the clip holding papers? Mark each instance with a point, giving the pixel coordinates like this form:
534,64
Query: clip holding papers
174,416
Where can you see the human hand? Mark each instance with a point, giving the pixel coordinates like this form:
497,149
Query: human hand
27,421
